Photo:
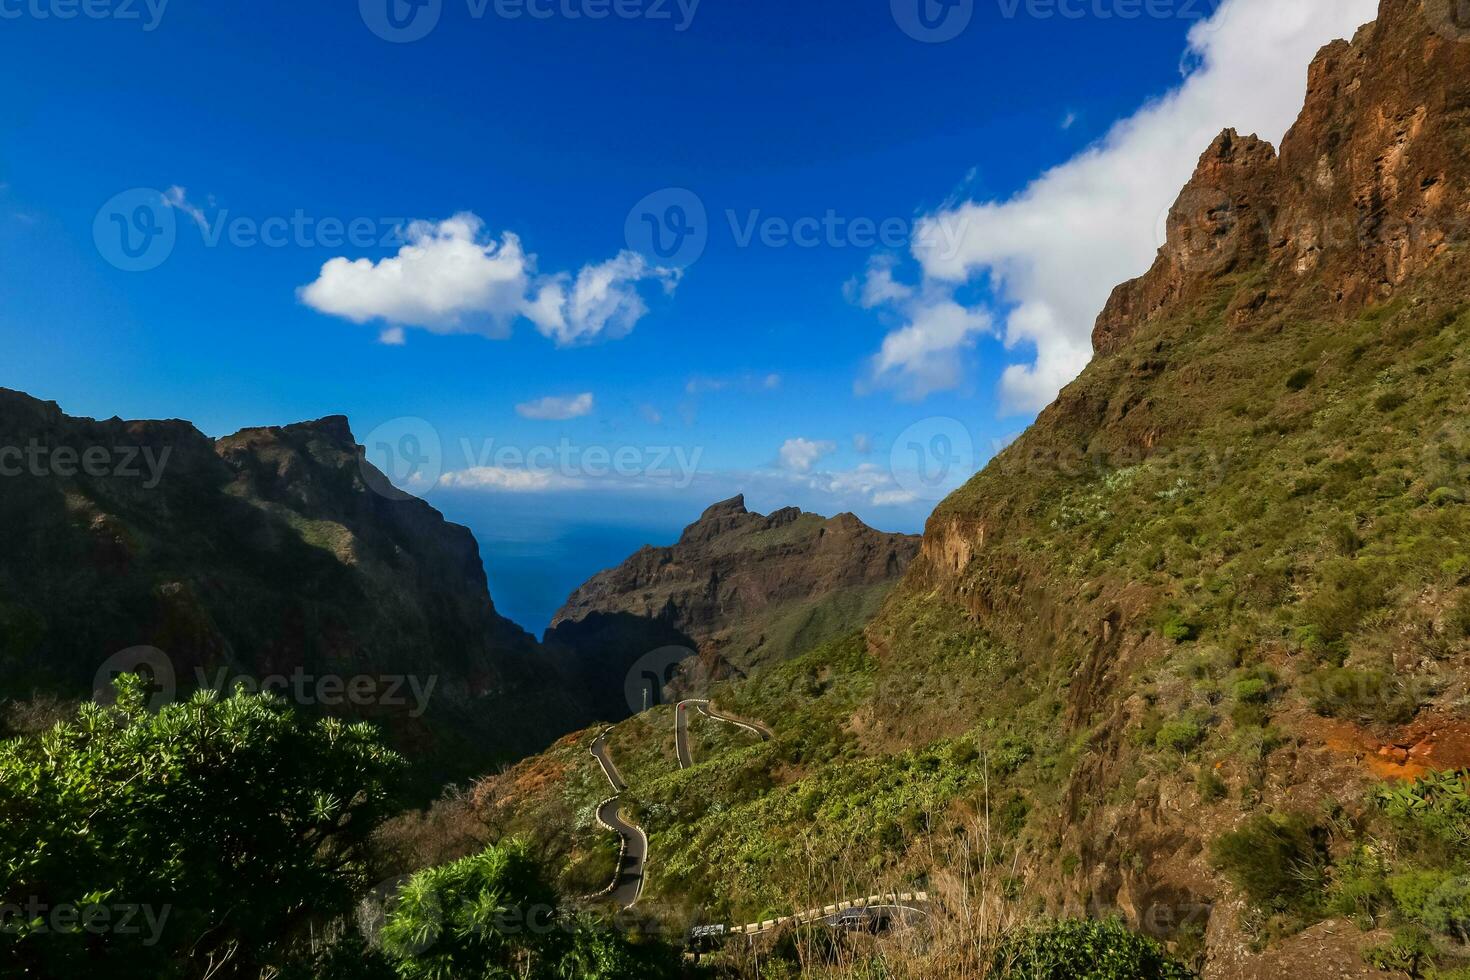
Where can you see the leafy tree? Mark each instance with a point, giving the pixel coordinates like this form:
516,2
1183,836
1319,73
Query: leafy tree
161,845
1080,949
494,915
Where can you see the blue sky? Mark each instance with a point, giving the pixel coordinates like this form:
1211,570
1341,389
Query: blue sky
756,359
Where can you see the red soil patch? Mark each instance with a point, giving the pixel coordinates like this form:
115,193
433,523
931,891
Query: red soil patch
1428,745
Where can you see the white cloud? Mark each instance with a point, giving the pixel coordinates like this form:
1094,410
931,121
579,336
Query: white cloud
178,199
745,382
554,409
507,480
450,278
602,302
800,455
924,355
1054,252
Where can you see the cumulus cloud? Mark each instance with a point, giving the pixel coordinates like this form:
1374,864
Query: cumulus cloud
451,278
555,409
924,355
800,455
1054,252
602,302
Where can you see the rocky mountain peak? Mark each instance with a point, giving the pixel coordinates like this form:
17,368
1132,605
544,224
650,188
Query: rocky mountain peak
1361,197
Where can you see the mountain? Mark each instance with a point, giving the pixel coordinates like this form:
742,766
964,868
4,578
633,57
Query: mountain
274,552
1195,649
1225,574
740,589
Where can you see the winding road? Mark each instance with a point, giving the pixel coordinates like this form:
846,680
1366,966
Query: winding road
681,728
627,888
875,913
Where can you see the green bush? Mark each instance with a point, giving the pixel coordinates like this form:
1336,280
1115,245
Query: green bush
495,915
1457,620
1278,861
1437,900
235,818
1084,950
1252,690
1436,806
1178,629
1360,695
1212,788
1390,400
1299,379
1182,735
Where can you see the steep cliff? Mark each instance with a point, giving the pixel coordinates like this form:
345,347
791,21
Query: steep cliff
270,553
1225,573
741,589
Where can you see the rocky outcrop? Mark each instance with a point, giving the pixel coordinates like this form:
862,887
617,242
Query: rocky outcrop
265,553
1366,192
741,589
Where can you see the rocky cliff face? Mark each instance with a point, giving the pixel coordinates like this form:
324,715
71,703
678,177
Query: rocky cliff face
1261,475
741,589
265,553
1366,192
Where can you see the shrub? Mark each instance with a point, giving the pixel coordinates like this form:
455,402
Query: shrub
1084,950
1178,629
1437,806
1390,400
241,819
1409,951
1361,695
1181,735
1299,379
1252,690
1437,900
1212,788
1278,861
495,914
1457,621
